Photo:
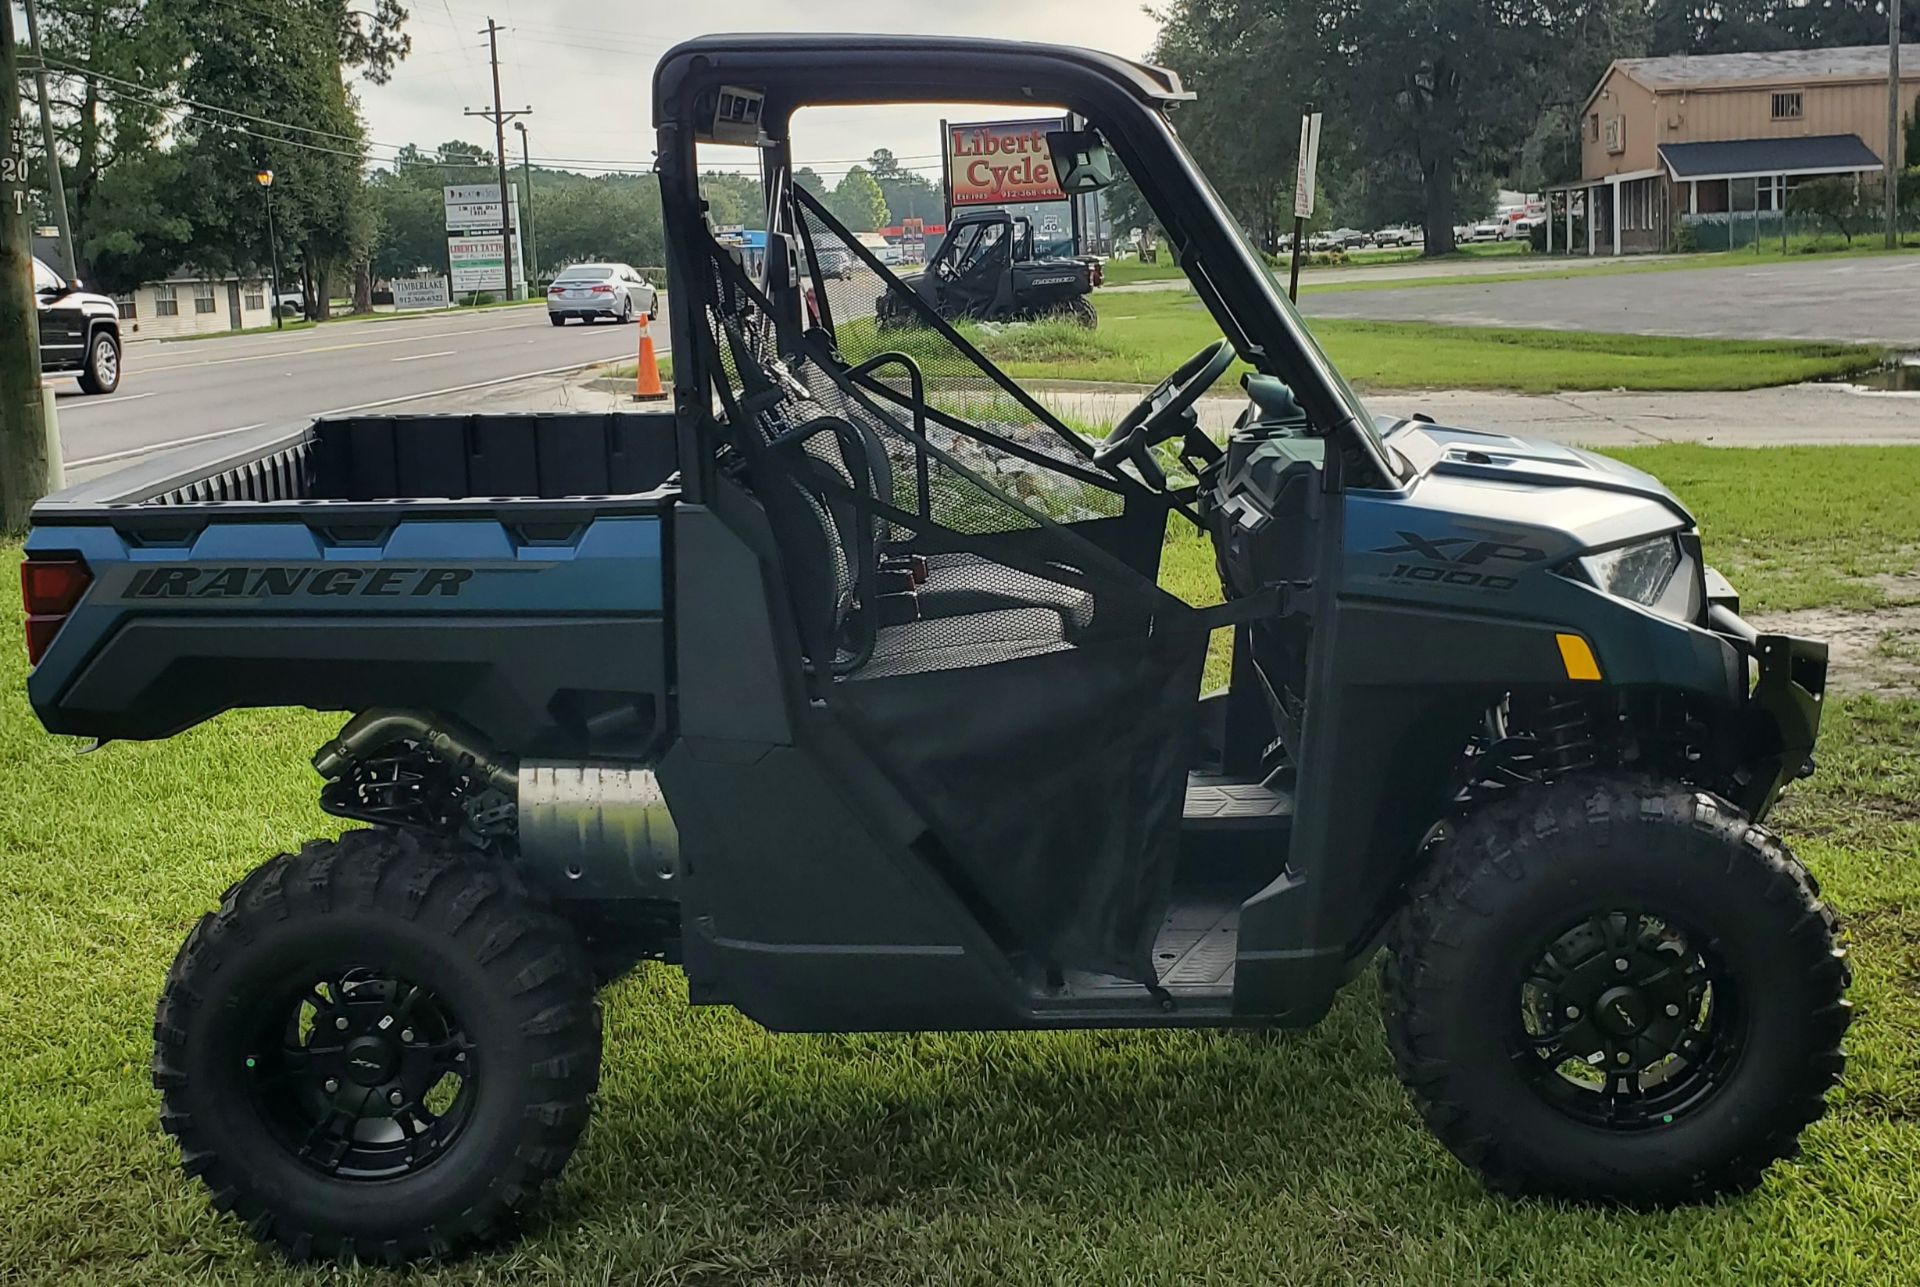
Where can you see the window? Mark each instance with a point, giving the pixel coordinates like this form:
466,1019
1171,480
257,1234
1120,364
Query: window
1593,127
203,300
44,278
256,299
166,301
1786,107
128,312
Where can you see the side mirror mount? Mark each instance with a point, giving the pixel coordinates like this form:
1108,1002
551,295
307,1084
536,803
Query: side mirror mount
1081,161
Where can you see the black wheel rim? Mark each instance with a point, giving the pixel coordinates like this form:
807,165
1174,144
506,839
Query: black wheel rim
1627,1021
363,1075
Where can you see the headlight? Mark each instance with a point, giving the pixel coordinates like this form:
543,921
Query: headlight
1640,572
1656,573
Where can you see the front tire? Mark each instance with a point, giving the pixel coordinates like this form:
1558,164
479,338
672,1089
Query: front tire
102,372
1616,990
378,1048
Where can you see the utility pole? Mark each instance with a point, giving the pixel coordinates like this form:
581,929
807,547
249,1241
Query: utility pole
526,181
58,182
1891,169
23,425
500,119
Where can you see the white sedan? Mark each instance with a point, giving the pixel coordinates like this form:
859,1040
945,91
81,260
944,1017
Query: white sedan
593,291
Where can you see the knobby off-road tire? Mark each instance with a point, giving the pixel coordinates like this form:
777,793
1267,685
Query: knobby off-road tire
1558,869
435,968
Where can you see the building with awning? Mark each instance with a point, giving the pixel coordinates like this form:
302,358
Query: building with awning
1669,142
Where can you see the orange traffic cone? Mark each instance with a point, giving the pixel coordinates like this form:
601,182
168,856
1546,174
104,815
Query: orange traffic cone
646,383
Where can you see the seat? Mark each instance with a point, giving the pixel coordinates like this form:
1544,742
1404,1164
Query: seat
963,583
957,584
963,642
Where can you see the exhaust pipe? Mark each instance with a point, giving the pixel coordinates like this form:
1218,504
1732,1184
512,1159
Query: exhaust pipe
583,829
446,739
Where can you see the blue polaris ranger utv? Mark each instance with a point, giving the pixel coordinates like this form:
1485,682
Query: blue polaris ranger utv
849,686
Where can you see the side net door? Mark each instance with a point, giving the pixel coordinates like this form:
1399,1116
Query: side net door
976,600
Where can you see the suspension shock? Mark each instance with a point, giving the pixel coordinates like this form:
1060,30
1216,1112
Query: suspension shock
1563,730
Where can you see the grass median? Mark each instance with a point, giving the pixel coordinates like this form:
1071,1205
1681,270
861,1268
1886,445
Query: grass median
720,1153
1142,337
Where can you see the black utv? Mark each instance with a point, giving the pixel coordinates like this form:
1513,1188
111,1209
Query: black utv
986,270
850,687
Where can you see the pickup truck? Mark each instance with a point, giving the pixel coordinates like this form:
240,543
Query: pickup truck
505,569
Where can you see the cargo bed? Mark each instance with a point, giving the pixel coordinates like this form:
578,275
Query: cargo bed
505,569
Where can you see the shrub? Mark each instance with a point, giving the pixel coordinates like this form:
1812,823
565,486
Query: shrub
1841,202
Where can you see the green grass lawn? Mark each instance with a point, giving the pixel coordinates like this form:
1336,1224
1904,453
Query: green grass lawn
720,1153
1144,336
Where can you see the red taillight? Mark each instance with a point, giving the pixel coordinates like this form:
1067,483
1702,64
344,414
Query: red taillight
603,290
556,290
50,584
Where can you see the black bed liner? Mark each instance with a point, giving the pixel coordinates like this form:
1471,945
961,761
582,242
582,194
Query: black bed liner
545,464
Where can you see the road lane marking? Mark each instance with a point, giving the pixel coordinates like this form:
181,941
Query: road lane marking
147,451
421,357
77,404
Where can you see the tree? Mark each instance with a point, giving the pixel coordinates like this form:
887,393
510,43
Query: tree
1841,202
101,53
1236,54
1742,26
907,195
1444,86
321,206
1912,148
858,202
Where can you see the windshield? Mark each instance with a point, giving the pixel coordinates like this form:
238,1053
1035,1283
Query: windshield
1356,408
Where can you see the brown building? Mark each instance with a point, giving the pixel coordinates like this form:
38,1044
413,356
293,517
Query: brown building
1668,142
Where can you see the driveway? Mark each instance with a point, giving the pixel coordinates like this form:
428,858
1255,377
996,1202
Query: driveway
1873,300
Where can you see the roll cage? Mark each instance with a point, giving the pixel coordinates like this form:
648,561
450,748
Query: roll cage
1126,101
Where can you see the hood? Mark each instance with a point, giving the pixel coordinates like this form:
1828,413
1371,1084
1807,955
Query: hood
1445,451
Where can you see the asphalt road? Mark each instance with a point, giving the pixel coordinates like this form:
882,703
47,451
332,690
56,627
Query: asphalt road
1872,300
185,391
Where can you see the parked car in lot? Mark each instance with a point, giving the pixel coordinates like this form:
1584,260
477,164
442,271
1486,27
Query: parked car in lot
1488,230
79,331
1393,237
593,291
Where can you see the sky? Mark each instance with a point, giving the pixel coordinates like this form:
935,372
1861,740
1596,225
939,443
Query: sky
586,67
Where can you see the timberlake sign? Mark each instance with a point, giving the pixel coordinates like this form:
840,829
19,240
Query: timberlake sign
998,163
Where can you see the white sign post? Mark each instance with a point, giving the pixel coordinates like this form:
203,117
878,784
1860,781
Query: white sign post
420,292
1303,179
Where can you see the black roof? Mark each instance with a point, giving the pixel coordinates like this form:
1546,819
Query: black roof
1838,153
851,69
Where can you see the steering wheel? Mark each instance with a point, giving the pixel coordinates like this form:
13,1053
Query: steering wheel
1163,414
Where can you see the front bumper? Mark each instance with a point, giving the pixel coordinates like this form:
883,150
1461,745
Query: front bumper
1786,688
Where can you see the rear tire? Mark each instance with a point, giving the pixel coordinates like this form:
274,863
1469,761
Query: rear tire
556,319
102,372
1082,311
308,1026
1616,990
